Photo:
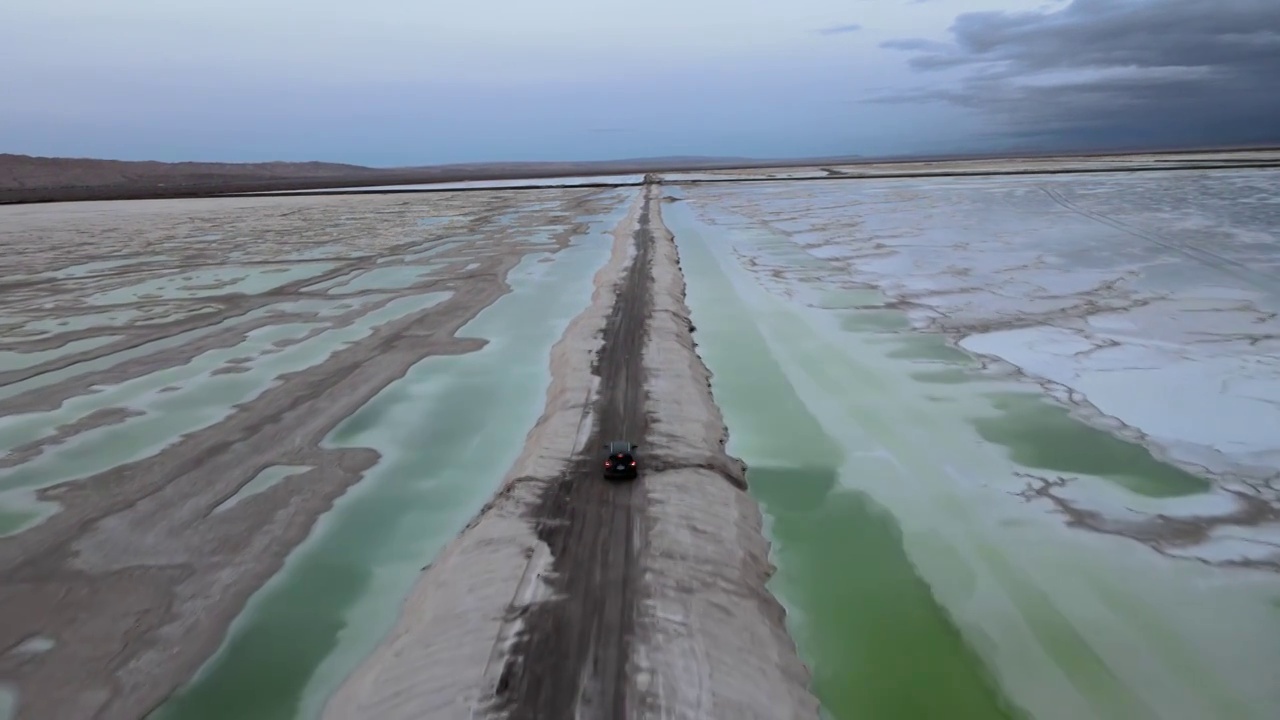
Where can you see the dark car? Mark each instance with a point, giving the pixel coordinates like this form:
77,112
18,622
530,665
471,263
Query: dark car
620,460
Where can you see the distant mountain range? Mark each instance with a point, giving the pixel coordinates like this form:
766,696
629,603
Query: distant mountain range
27,172
25,178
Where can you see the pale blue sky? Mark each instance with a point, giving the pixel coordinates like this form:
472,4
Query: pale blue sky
396,82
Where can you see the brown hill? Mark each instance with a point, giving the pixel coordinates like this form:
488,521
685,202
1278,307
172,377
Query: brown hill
27,172
24,178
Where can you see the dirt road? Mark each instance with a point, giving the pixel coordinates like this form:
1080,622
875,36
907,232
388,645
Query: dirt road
572,660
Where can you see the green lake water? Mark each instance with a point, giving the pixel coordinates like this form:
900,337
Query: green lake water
884,463
448,432
878,643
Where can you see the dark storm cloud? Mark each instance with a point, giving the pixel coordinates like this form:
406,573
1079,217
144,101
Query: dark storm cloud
1115,72
839,29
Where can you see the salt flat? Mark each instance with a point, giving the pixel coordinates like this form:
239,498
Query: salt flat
186,386
1060,390
1010,444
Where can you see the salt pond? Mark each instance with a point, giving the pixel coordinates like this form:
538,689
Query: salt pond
922,573
447,433
164,406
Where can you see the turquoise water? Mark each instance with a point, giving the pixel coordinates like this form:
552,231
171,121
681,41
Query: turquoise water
201,400
918,584
1040,434
447,432
868,626
15,360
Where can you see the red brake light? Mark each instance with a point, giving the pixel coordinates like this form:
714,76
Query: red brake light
633,462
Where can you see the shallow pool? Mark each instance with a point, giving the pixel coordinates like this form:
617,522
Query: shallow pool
919,578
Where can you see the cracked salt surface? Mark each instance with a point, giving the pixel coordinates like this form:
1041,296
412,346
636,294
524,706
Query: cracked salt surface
1114,287
978,467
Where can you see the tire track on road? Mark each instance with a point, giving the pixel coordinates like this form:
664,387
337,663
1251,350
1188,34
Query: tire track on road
571,659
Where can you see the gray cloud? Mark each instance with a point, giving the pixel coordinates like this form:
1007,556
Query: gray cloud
916,44
839,29
1102,72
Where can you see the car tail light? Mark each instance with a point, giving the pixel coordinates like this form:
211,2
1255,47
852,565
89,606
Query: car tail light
633,462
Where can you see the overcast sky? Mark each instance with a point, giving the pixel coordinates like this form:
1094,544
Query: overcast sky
398,82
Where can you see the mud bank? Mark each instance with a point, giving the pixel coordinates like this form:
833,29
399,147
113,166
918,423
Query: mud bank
711,640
